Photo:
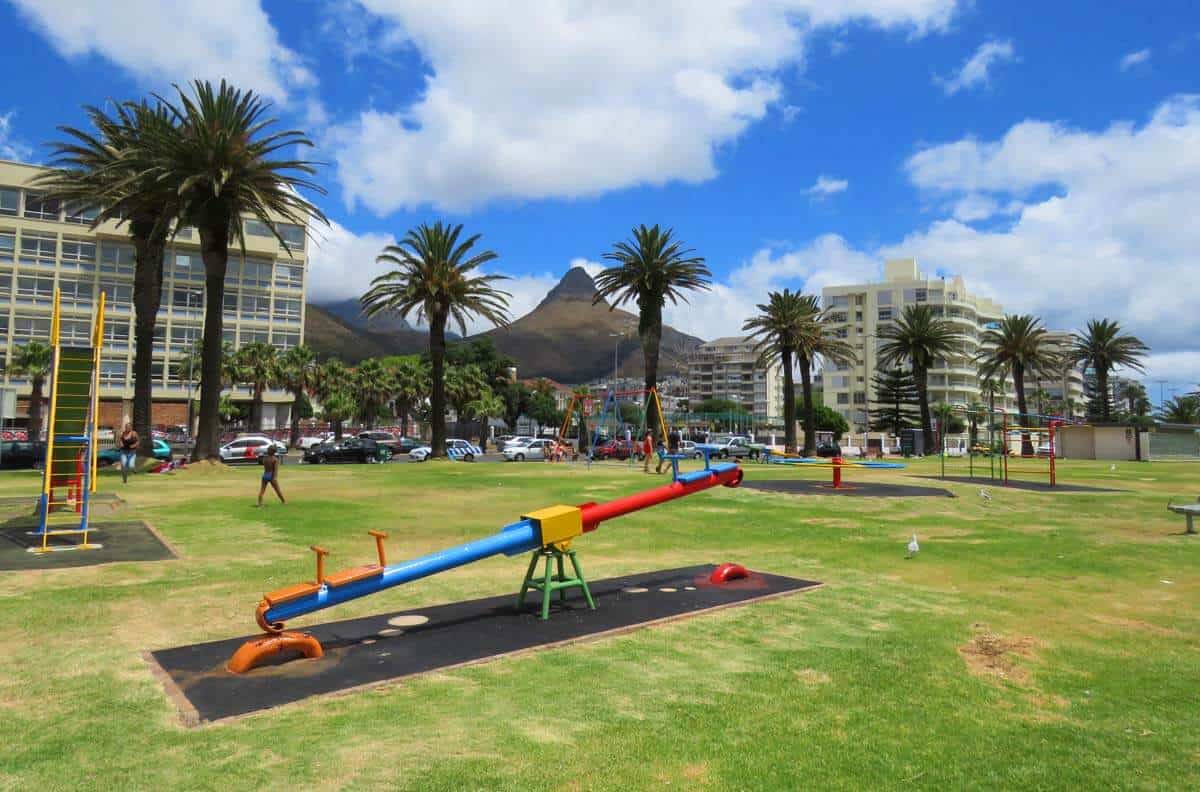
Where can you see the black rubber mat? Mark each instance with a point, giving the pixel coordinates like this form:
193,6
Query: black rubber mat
1022,484
372,650
130,540
868,489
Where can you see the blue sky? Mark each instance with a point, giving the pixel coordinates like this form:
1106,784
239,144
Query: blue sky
1049,152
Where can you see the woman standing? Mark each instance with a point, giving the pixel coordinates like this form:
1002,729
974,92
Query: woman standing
129,444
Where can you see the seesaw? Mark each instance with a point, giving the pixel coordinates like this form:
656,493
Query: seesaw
546,533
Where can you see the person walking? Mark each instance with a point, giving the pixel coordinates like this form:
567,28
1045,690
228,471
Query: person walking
672,448
270,475
647,450
129,444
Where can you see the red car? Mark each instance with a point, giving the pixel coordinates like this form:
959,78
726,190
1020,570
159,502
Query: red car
613,449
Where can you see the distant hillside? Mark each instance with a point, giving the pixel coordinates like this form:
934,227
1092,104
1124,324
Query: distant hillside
568,339
565,338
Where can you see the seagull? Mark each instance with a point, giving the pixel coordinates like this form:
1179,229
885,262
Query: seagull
913,547
1112,467
984,494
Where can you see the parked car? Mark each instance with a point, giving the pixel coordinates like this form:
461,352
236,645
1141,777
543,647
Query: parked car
21,454
518,440
537,449
613,449
111,456
249,449
736,447
349,449
381,437
688,448
406,444
309,441
829,450
455,449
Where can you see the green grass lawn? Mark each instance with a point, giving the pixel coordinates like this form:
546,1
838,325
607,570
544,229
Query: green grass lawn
1036,641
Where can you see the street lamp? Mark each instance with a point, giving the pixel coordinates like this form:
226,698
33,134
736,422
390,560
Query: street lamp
616,345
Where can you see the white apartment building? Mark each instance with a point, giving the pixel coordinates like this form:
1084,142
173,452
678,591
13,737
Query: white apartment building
728,368
859,312
46,246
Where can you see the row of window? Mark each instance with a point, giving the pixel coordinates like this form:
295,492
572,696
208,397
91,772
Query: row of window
78,332
38,207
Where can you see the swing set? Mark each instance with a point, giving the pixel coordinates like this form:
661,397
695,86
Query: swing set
610,421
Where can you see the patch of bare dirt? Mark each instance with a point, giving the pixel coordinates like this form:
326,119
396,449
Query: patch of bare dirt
994,655
812,677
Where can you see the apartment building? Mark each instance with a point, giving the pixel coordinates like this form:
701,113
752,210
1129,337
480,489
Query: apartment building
728,368
1058,389
46,246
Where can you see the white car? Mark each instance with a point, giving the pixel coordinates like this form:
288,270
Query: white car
312,440
458,450
534,449
520,440
249,449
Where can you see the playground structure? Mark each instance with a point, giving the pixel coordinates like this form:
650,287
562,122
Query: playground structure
545,533
1002,442
612,407
836,464
69,476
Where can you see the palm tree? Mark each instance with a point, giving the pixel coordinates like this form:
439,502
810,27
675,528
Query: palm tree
1181,409
410,387
33,361
331,386
919,337
815,341
374,386
298,374
485,406
1103,347
434,278
1135,396
102,169
258,367
776,328
337,408
463,385
220,162
1018,345
650,269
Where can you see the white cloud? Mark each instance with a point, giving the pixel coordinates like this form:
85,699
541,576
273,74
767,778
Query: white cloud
12,147
341,264
975,70
826,186
545,99
1133,59
1106,227
179,41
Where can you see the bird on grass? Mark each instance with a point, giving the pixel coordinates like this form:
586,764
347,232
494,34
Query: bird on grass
984,494
1112,468
913,547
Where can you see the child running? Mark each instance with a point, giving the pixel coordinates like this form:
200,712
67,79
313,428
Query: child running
270,475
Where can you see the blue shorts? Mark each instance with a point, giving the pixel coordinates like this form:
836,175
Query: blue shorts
267,477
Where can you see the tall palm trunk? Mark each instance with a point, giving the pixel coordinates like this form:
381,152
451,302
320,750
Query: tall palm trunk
294,433
810,409
651,342
437,393
256,408
921,378
789,402
35,408
214,250
1102,391
403,420
149,246
1018,372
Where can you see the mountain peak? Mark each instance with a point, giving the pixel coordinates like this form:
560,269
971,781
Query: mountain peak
575,285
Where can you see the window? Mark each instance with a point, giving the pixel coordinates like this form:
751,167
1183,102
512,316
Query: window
255,306
39,207
860,398
116,258
229,302
10,200
160,338
837,316
116,333
915,295
75,332
29,327
256,272
38,248
78,213
184,232
32,287
286,310
5,287
8,246
839,301
285,341
78,251
187,267
75,291
257,228
187,298
228,336
254,337
112,372
885,314
289,276
292,234
843,398
117,295
839,332
184,337
884,298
